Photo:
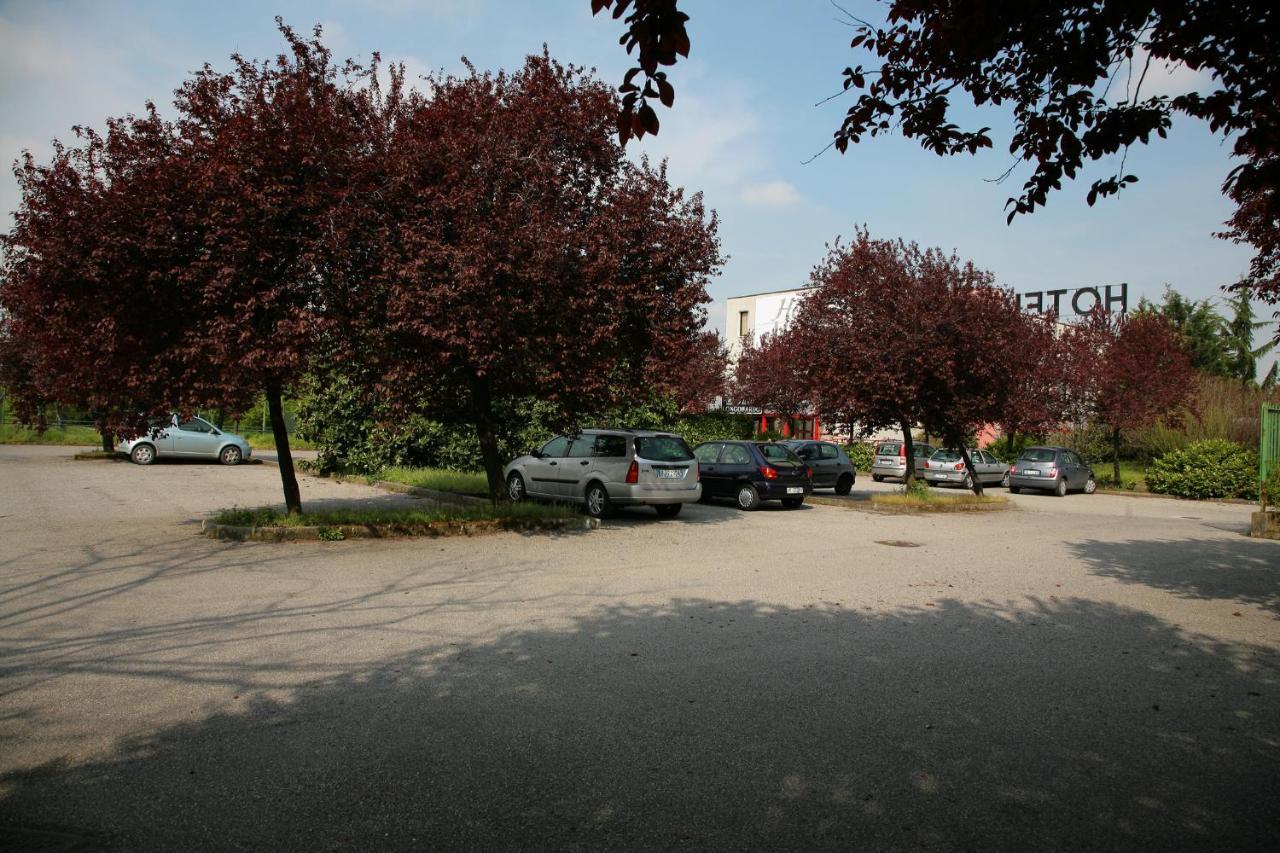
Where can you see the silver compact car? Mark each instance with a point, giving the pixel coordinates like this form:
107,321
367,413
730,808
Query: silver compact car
607,468
891,459
1051,469
947,466
191,439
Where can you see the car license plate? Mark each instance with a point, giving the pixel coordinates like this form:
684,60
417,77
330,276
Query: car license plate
669,474
795,490
1029,472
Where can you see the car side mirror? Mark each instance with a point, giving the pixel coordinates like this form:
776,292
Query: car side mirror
536,454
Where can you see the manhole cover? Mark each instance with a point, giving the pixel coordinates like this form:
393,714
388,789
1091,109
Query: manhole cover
897,543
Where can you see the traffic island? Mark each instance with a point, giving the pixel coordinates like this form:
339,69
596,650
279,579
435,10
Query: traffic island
267,524
917,504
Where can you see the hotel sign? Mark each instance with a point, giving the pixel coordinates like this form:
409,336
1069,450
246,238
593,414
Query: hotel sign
1080,301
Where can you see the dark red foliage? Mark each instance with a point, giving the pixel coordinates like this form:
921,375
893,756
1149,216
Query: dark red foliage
656,31
1127,372
771,375
695,379
524,257
923,339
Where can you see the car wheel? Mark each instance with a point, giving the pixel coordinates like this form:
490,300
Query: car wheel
877,478
667,510
1061,489
515,488
792,503
598,503
1004,481
230,455
844,485
1090,486
1014,490
748,497
968,482
143,454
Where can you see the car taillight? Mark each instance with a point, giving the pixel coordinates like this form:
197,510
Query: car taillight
1013,469
902,451
926,463
808,472
633,473
959,466
769,472
1053,472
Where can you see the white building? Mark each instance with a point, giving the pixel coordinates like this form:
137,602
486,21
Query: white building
755,315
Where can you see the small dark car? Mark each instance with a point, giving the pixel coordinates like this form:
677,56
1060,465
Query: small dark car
751,472
830,464
1051,469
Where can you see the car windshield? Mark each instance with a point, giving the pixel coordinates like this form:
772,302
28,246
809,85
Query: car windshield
663,448
889,448
946,456
778,453
1039,454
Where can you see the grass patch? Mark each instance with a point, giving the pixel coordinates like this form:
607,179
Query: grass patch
267,441
271,517
932,501
1133,476
440,479
73,435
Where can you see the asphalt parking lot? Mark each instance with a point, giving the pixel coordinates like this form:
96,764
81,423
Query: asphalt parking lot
1086,673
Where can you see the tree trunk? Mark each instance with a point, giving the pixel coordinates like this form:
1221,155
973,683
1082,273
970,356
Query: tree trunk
1115,456
910,449
108,442
221,419
973,472
288,479
488,438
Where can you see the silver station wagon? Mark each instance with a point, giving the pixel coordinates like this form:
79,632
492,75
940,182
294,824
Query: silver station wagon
607,468
191,439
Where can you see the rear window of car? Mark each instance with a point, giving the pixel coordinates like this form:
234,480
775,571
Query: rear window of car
663,448
1040,455
946,456
889,448
778,453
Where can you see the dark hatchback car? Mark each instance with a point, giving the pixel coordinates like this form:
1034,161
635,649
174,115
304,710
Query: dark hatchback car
1051,469
830,464
751,472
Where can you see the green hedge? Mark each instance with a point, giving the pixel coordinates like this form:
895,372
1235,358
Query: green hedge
862,455
1215,468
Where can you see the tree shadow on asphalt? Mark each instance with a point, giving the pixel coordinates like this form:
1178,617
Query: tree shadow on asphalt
1242,570
1029,725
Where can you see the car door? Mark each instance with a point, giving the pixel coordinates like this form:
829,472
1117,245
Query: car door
811,456
736,463
194,438
544,470
1075,466
708,456
922,452
995,468
829,459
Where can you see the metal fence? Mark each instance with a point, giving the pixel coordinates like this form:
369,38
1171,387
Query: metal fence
1269,449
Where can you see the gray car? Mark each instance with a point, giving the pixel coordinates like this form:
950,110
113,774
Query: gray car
607,468
891,459
191,439
947,466
831,466
1051,469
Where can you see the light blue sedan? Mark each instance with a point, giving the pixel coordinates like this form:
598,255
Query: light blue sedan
192,439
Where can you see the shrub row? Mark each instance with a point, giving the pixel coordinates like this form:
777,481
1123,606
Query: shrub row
1206,469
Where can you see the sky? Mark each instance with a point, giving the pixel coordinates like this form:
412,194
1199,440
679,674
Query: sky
751,113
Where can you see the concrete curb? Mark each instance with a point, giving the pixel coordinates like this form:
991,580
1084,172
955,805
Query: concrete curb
99,456
889,509
433,529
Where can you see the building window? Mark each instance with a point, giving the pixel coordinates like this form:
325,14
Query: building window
744,326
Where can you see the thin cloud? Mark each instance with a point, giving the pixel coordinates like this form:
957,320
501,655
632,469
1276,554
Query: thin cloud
770,194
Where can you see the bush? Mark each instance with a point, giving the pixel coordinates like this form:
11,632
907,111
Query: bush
1008,451
862,455
1206,469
